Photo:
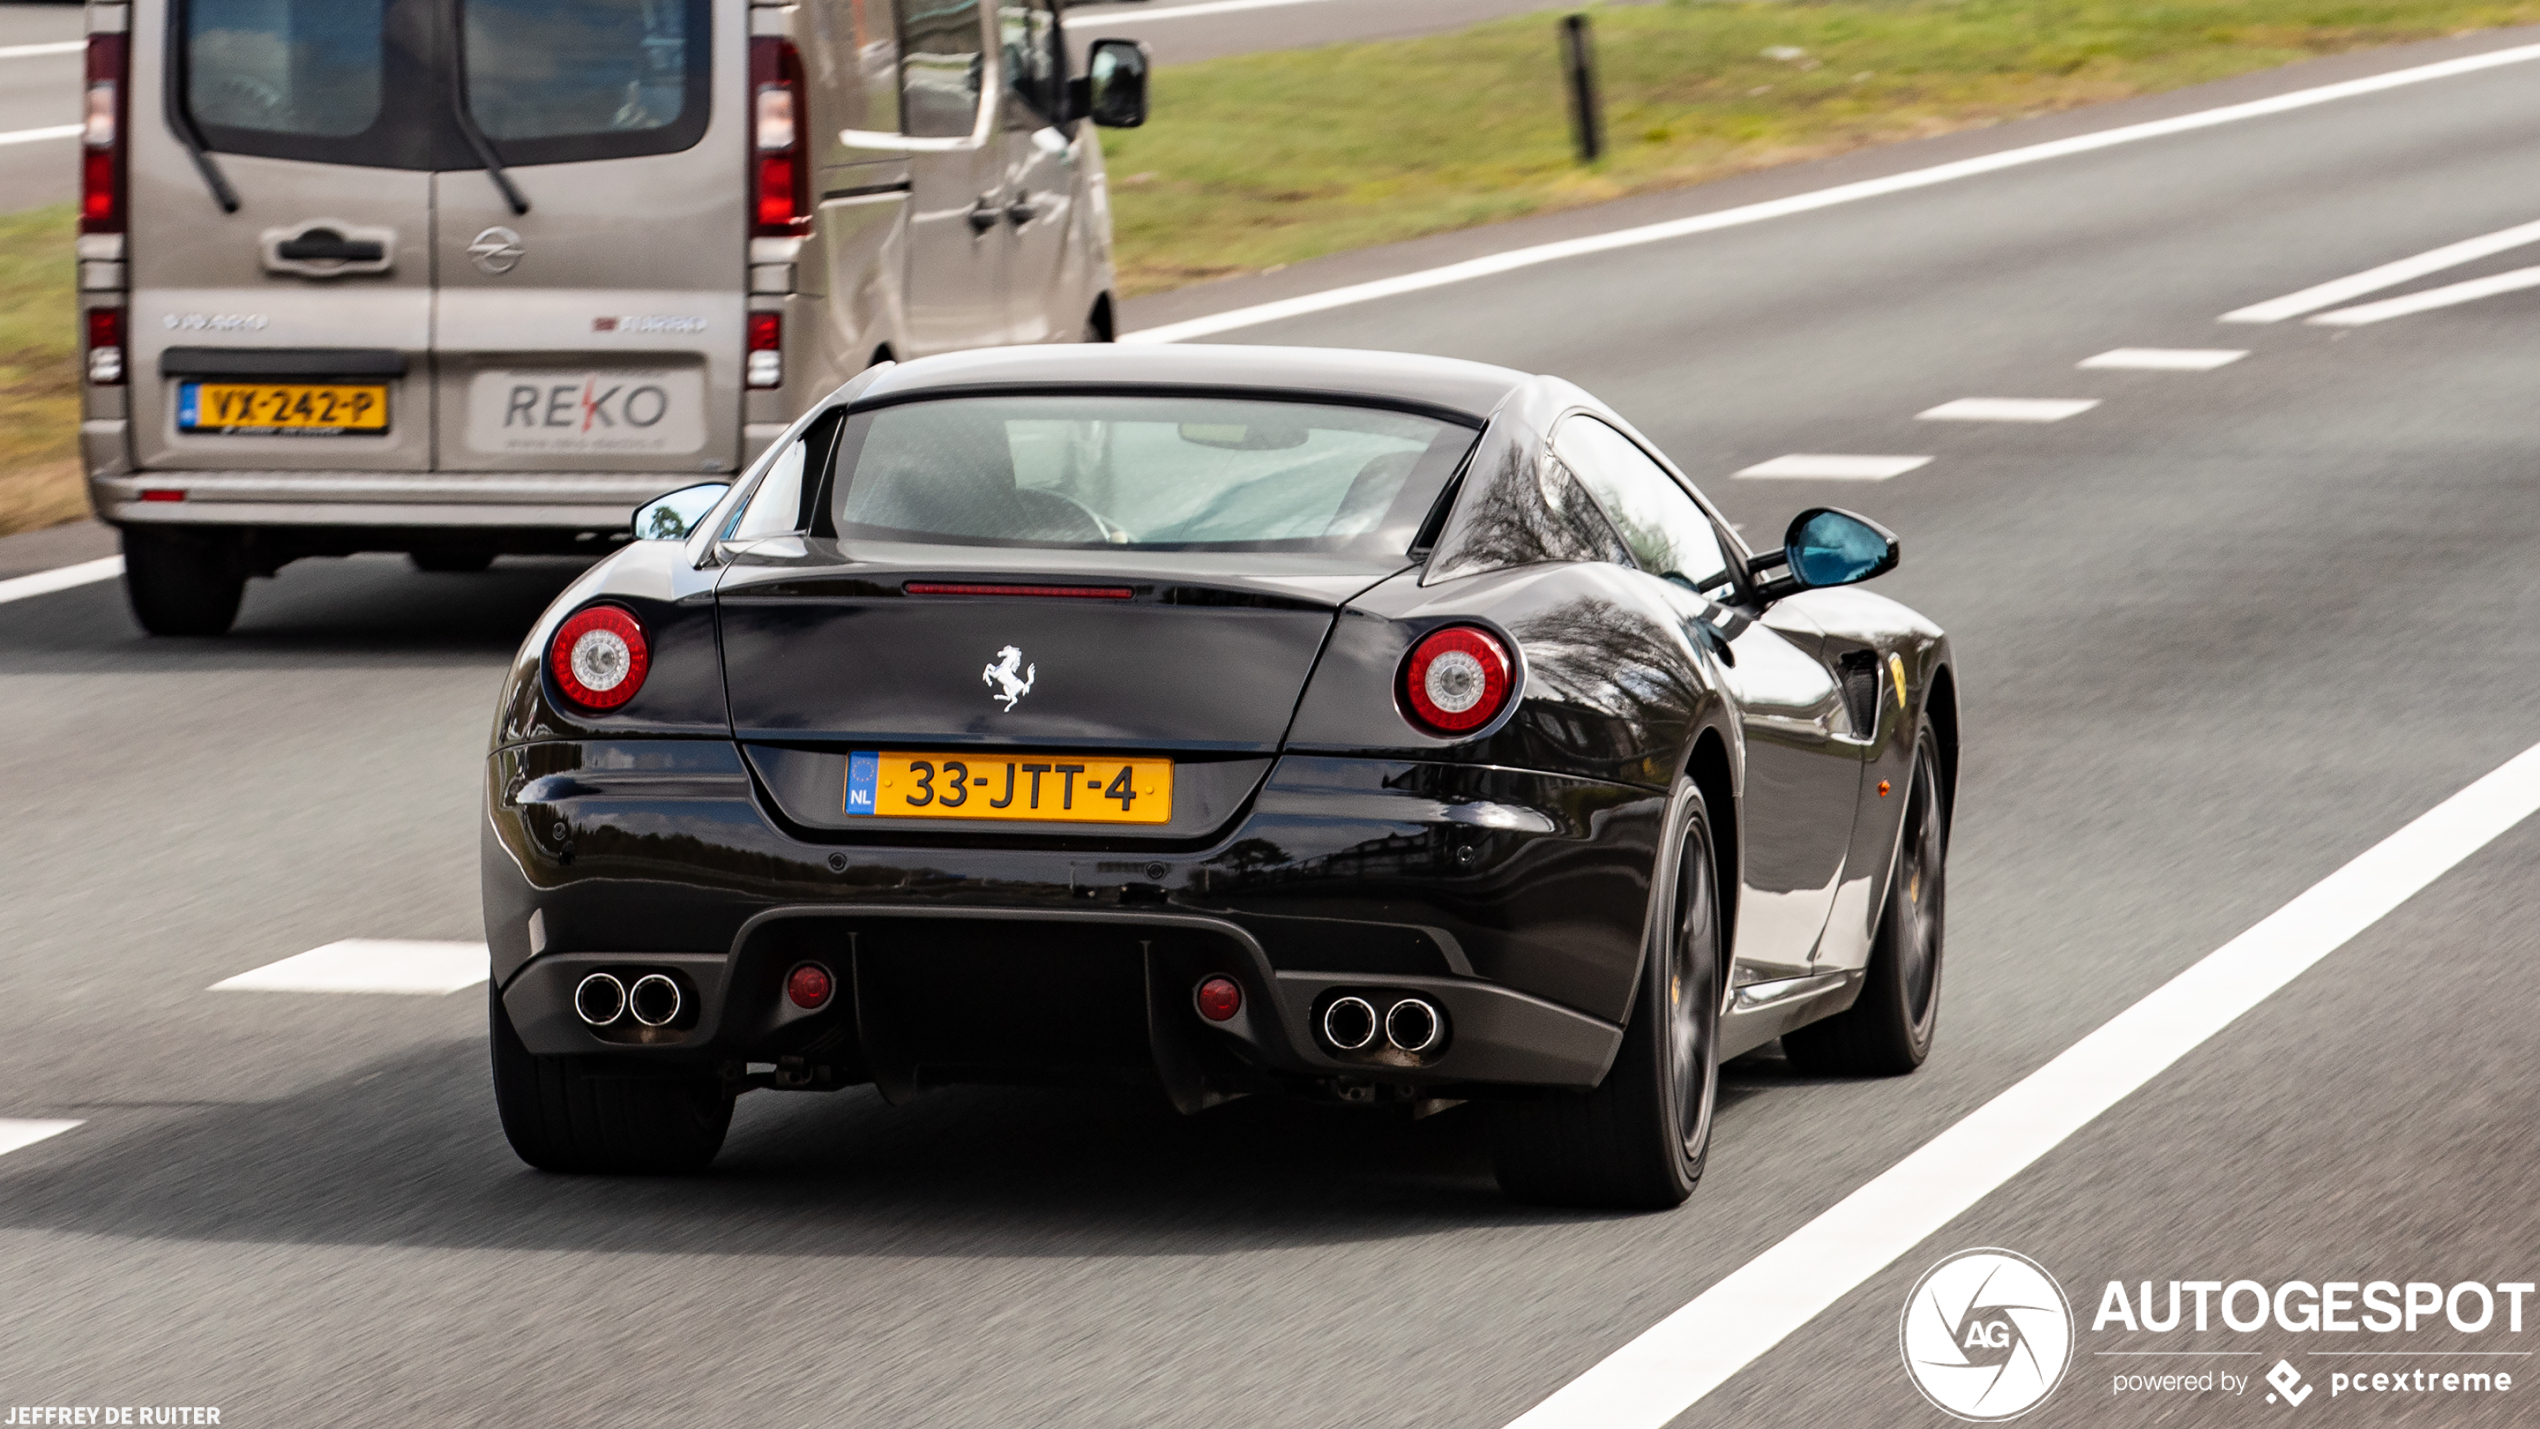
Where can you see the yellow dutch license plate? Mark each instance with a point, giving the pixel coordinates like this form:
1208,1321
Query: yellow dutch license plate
1046,788
294,409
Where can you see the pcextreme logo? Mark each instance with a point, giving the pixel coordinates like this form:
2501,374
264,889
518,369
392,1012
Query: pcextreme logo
1986,1335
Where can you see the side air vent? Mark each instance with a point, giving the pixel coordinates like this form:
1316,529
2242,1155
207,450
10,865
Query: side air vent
1860,671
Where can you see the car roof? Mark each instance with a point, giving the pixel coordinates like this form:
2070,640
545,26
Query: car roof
1472,388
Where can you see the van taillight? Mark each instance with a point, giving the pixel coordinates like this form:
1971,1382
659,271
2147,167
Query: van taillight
101,138
782,157
105,346
764,366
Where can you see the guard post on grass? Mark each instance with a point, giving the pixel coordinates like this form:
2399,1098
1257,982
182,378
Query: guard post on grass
1578,64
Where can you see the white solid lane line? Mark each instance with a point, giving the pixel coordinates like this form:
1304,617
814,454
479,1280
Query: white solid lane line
2446,297
1693,1351
2388,275
2007,409
15,1133
2165,359
369,965
57,47
1825,198
29,136
104,568
1820,466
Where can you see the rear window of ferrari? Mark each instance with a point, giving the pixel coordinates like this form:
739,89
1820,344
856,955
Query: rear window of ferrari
1154,471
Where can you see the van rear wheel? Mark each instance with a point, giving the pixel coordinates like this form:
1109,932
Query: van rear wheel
183,582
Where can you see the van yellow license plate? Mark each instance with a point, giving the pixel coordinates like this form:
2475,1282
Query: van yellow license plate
282,409
1044,788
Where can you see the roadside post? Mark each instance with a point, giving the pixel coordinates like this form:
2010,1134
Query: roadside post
1578,63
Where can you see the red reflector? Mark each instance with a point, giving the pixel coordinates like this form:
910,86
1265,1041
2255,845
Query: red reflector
1220,998
809,986
598,658
1054,592
162,493
767,332
1456,680
775,190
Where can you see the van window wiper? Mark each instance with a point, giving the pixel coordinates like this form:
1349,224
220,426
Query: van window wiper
201,154
476,139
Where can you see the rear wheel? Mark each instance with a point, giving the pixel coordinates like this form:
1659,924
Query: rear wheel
575,1114
453,562
1637,1142
1889,1031
183,582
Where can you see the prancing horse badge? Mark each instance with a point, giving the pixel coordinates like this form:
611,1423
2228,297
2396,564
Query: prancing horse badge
1010,685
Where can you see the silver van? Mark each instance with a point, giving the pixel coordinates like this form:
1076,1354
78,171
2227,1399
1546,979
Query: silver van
465,277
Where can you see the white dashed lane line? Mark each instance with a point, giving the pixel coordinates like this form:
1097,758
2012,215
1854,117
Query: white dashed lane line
369,965
37,136
15,1134
2164,359
105,568
1817,466
55,47
2446,297
2008,409
2388,275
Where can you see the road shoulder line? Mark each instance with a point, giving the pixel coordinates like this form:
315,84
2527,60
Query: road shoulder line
104,568
1669,1368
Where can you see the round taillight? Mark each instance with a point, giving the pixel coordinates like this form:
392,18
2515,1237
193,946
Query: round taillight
809,986
599,657
1220,998
1456,680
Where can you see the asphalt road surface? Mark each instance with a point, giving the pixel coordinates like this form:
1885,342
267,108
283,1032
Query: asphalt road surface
2219,634
39,93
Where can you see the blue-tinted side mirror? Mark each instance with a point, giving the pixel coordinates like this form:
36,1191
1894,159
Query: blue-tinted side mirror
1825,547
675,516
1828,547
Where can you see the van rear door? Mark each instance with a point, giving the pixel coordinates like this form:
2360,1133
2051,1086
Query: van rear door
293,333
602,330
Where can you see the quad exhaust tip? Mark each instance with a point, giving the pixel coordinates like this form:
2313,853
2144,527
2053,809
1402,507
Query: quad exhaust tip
1412,1025
653,1000
600,999
1349,1023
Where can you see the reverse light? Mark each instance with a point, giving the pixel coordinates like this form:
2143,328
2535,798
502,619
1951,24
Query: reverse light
105,347
599,658
101,163
765,364
1456,680
809,986
781,152
1220,998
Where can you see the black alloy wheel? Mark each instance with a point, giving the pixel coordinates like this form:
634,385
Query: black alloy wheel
183,582
1889,1030
591,1115
1640,1139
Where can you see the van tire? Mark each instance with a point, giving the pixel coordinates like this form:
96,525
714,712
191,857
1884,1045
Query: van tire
451,562
183,582
585,1114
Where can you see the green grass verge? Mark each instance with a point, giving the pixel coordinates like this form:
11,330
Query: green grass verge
1262,160
39,382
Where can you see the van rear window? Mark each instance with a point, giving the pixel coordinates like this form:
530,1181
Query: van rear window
606,77
285,67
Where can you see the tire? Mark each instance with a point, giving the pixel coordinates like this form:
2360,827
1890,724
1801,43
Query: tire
1889,1030
1639,1140
451,562
183,582
582,1114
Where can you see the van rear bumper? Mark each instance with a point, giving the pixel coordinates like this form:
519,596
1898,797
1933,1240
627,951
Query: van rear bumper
595,501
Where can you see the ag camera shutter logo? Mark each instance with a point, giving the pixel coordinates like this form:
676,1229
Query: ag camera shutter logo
1986,1335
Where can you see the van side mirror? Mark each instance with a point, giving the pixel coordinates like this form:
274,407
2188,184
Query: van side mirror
1824,547
674,517
1113,90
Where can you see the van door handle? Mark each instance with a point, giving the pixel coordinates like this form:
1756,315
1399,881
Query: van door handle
1022,211
324,245
984,214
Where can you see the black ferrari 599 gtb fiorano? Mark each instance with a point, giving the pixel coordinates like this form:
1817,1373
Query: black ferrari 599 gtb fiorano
1228,720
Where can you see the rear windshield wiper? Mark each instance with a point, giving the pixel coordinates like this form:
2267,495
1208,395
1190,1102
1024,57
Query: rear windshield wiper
196,149
476,139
